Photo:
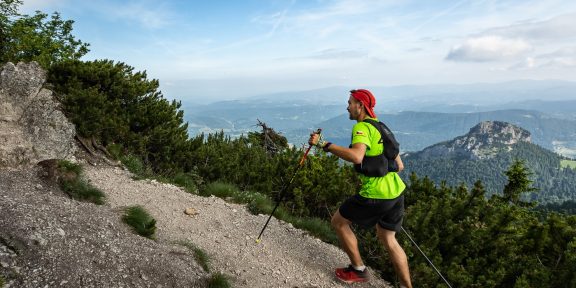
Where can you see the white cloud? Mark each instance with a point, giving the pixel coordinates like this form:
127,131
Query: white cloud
562,27
488,48
564,58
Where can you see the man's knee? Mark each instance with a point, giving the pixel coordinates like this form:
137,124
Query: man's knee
338,221
387,237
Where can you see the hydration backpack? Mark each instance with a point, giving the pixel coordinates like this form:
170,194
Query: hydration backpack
380,165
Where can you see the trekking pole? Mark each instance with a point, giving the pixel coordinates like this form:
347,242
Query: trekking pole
300,164
437,271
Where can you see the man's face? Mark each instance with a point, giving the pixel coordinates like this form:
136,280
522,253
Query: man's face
354,108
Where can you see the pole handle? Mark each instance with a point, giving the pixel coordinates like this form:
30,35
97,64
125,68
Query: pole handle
319,131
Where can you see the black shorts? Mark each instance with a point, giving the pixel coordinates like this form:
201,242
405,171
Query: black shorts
366,212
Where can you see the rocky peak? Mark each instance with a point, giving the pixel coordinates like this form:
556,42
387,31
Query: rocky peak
483,141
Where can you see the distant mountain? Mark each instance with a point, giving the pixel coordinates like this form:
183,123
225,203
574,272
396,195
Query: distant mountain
417,130
484,141
485,153
421,115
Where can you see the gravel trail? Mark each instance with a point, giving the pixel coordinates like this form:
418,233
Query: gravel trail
286,256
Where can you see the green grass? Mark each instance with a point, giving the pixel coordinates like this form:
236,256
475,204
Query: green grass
188,181
258,203
69,167
568,163
2,281
133,164
201,257
218,280
75,186
140,221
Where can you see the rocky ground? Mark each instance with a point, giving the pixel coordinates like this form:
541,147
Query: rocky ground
49,240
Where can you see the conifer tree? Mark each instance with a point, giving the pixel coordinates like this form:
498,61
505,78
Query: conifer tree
518,182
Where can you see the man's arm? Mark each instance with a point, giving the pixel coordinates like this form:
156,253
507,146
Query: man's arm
354,154
399,163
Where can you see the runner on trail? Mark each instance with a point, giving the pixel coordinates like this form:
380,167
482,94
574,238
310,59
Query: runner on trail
379,203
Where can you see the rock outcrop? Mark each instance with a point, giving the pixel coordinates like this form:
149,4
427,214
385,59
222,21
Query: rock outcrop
482,142
32,127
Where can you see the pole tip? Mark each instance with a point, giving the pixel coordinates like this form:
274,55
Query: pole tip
257,241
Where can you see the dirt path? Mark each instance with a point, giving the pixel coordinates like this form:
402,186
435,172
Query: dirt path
286,256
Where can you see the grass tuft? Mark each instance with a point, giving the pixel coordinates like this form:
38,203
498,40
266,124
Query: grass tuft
81,190
188,181
69,167
75,186
201,257
140,221
136,166
218,280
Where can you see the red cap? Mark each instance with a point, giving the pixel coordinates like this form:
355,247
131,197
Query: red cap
367,99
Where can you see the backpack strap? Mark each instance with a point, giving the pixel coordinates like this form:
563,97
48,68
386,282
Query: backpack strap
391,146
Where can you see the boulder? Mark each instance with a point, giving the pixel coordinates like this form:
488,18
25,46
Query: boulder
32,126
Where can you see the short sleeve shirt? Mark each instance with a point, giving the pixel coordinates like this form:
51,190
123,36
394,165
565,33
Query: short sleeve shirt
388,186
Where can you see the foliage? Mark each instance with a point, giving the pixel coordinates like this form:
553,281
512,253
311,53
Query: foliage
476,241
140,220
261,204
480,242
36,38
2,281
75,186
110,102
518,183
551,183
199,254
218,280
568,207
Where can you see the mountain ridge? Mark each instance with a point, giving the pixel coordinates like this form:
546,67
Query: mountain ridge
483,141
486,155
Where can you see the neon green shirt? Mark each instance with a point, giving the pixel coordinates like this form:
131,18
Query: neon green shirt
390,185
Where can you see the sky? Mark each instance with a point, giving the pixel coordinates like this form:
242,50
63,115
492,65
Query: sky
203,50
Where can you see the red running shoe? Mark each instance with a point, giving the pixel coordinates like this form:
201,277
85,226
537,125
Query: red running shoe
351,275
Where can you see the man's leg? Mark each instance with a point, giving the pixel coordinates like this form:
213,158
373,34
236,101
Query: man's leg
397,255
347,238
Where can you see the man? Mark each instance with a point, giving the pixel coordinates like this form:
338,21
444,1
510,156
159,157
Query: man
379,203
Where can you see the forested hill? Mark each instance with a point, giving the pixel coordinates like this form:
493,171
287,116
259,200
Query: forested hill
417,130
485,153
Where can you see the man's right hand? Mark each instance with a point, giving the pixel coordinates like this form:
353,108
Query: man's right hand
314,138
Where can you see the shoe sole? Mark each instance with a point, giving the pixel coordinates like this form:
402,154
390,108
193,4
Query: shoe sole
352,281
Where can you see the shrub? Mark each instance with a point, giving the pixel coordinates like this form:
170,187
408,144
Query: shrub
189,181
199,254
140,221
134,165
218,280
75,186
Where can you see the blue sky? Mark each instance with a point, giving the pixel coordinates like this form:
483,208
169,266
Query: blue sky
214,50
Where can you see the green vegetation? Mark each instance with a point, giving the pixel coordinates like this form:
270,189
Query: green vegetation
2,281
199,254
475,240
258,203
37,37
139,219
218,280
552,184
72,182
568,164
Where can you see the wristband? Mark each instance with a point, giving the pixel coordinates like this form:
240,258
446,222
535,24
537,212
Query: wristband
325,148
